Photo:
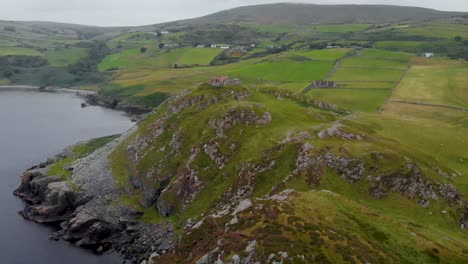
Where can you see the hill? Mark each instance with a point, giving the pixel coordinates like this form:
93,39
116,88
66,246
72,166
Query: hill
302,14
344,143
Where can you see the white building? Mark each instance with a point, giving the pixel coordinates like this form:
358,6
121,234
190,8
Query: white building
428,54
164,32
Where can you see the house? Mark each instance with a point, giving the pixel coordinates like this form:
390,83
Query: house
428,54
220,81
214,46
200,46
225,47
164,32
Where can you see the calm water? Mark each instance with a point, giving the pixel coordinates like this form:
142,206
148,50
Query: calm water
34,126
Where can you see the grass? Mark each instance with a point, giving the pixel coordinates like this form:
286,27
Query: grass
356,100
326,54
6,51
373,63
382,54
340,28
431,132
293,71
435,84
158,59
366,75
367,85
81,150
64,57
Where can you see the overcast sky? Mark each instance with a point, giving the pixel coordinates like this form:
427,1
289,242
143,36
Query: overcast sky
142,12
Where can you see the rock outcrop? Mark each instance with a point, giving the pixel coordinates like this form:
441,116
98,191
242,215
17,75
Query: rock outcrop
85,211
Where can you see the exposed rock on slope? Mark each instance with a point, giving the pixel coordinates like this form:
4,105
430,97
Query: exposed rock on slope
247,176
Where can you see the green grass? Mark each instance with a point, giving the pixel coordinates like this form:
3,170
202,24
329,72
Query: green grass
340,28
356,100
400,45
373,63
367,85
382,54
435,84
5,51
157,59
64,57
443,139
326,54
366,74
292,71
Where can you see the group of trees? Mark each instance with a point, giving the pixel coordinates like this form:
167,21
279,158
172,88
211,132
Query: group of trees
85,70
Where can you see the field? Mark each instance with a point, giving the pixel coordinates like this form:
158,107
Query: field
374,63
326,55
287,71
356,100
64,57
156,58
435,84
6,51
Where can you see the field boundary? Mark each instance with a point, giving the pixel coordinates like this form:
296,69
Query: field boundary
393,90
431,105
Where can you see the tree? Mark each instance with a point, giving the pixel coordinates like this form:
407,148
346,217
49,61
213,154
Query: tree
143,49
458,38
161,45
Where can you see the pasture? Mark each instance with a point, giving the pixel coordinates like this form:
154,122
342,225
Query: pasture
435,84
355,100
6,51
157,58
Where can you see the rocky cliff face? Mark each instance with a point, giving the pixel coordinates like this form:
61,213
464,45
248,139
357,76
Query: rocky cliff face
86,208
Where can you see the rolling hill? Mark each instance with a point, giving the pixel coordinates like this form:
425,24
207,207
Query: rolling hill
369,168
303,14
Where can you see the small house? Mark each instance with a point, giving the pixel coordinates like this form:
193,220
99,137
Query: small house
428,54
164,32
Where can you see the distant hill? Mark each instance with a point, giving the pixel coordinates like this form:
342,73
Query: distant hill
326,14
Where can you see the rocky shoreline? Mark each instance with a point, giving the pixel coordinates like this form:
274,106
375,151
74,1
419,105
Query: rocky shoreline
85,210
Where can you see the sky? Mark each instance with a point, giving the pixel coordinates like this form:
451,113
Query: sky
144,12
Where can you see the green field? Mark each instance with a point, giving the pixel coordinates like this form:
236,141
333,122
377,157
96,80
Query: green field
64,57
326,54
292,71
340,28
5,51
373,63
382,54
367,85
436,84
356,100
155,58
366,74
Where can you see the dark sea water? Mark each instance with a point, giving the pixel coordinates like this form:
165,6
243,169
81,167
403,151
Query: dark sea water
34,126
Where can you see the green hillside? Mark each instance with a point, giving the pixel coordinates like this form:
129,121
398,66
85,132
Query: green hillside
344,142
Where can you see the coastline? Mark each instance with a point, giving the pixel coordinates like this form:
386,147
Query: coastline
46,89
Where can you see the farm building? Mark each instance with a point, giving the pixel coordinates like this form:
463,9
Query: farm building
220,81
